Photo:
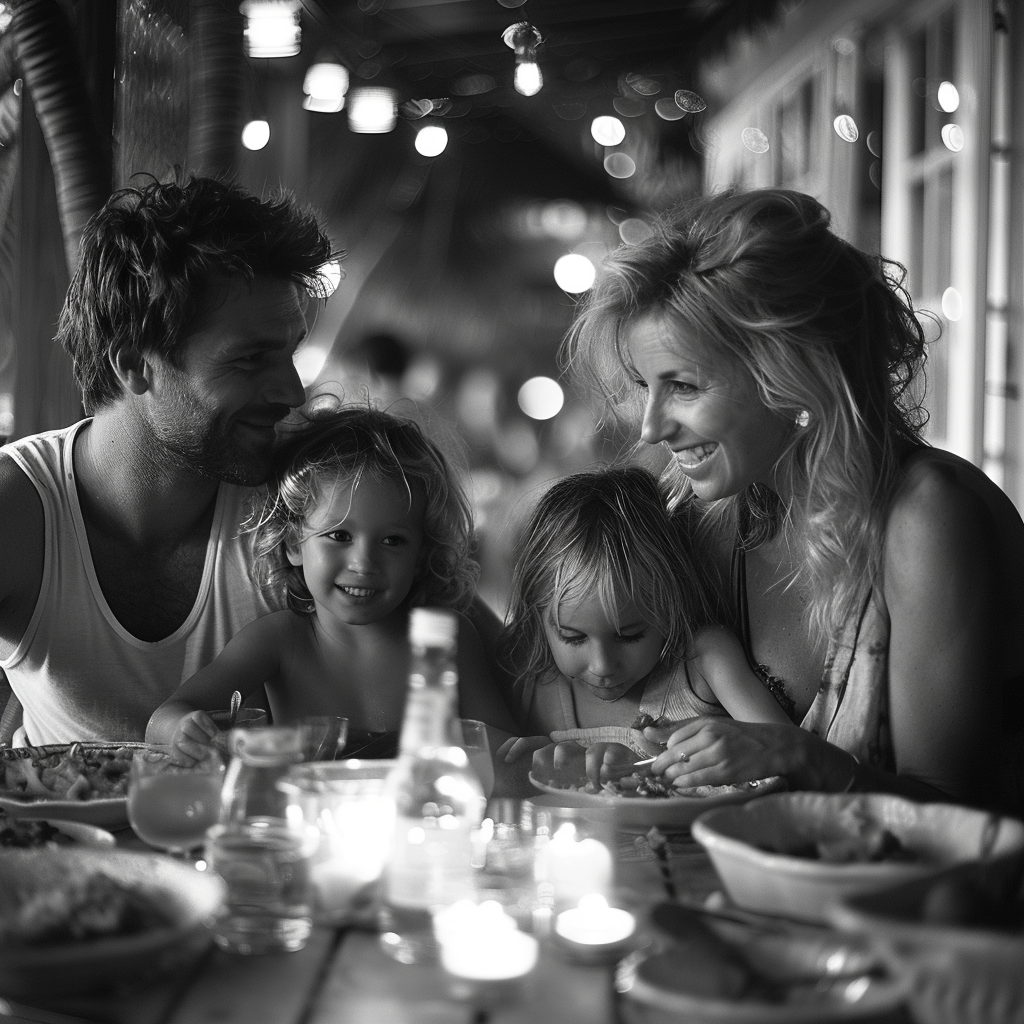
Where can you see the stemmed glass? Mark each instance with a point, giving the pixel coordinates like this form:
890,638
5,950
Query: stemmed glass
170,804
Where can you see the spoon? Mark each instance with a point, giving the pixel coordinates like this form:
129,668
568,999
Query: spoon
236,703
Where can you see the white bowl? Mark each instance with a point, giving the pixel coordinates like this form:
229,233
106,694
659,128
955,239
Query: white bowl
190,898
955,973
664,988
803,888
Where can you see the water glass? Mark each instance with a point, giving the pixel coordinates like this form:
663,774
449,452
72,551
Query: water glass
323,736
266,867
474,741
505,859
170,804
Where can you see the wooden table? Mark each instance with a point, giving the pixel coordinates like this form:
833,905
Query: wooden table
342,977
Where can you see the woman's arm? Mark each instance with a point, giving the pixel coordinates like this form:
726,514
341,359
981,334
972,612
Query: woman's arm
251,657
942,593
722,667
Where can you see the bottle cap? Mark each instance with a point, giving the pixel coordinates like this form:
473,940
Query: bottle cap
433,627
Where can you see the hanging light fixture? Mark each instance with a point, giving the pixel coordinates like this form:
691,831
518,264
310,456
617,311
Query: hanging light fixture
325,86
524,39
372,109
272,27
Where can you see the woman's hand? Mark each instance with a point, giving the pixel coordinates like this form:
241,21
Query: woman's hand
721,751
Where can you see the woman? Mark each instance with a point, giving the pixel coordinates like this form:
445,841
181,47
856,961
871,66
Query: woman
878,583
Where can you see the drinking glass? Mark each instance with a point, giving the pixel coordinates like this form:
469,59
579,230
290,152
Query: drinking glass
265,865
477,746
171,805
323,736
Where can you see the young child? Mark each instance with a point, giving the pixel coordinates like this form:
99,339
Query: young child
611,628
364,518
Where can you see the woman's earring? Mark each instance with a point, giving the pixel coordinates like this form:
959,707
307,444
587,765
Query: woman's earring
803,417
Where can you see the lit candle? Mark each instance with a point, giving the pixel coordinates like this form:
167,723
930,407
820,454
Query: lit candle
574,868
594,931
353,853
486,957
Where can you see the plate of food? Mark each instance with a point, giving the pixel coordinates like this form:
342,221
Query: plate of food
81,919
643,800
84,782
32,833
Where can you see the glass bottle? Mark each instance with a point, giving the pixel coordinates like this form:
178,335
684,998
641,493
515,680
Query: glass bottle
259,759
438,799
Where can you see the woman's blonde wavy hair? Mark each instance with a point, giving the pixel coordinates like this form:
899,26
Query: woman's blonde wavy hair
607,532
761,280
349,443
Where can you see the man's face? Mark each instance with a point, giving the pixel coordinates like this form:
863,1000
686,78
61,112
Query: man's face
215,413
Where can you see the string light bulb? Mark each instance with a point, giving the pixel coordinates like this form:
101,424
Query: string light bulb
523,38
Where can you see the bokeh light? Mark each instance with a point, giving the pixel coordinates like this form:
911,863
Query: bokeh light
330,275
846,128
689,102
528,79
309,361
947,97
755,140
619,165
256,134
272,28
541,398
372,110
325,86
574,273
431,140
952,137
952,304
607,131
633,230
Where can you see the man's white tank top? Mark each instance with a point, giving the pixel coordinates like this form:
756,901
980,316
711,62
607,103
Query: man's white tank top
77,672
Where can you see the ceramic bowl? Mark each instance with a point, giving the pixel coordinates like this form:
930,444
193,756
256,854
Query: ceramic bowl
955,972
812,978
188,899
743,841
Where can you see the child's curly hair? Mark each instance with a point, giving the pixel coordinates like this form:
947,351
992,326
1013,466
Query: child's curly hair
607,532
348,442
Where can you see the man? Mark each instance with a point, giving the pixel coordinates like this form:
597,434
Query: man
124,570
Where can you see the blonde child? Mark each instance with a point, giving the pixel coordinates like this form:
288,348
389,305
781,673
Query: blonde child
364,518
611,628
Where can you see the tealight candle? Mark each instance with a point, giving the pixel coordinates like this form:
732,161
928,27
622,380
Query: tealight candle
594,931
486,957
573,868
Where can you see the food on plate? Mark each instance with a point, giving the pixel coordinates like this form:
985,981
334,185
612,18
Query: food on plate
643,784
86,905
17,832
862,840
78,772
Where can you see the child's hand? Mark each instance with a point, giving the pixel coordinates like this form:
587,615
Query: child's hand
608,761
195,737
565,758
516,747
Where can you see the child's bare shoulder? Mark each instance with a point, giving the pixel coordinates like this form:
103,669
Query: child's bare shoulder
716,641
